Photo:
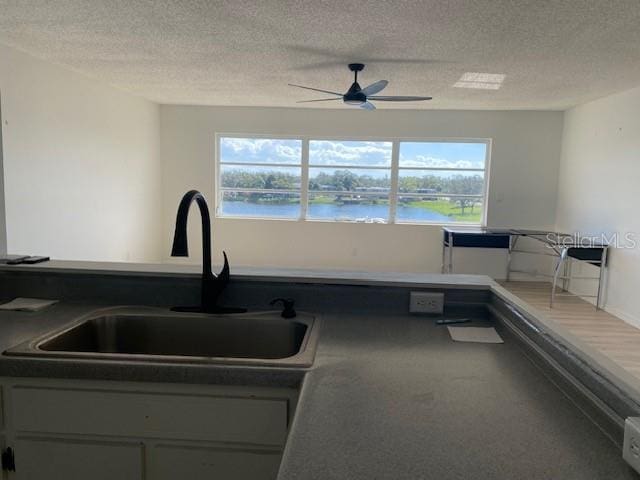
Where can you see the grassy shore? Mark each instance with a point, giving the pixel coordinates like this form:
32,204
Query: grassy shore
449,209
326,200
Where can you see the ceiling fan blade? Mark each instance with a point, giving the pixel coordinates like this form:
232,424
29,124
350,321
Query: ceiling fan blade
337,64
399,99
367,106
375,87
330,58
319,100
315,89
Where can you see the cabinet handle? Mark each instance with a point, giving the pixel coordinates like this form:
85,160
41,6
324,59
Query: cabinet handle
8,460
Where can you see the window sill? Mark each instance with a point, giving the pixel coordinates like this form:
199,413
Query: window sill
350,222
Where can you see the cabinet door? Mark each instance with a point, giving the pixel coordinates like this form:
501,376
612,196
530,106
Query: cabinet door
128,414
51,459
171,462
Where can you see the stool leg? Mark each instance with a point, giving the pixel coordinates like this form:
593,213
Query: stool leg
565,275
513,240
559,265
601,278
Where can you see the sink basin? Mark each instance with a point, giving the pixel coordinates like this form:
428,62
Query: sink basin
262,338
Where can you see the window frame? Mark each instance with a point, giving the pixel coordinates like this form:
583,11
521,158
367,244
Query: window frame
394,171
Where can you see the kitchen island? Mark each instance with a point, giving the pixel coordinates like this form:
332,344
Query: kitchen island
389,394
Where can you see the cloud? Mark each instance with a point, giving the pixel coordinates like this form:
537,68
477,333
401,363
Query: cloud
327,152
288,151
321,152
434,162
260,150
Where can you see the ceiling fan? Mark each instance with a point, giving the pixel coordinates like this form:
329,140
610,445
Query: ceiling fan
358,96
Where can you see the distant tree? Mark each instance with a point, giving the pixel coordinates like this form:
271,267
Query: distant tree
348,180
270,181
345,180
466,185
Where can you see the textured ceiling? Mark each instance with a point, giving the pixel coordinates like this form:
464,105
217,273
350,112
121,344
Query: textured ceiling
554,53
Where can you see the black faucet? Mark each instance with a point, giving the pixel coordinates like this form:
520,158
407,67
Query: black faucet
287,307
212,285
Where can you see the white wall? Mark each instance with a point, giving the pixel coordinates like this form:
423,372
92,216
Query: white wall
524,166
3,228
83,180
81,165
599,185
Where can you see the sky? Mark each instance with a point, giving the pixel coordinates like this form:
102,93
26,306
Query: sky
440,154
350,153
353,153
260,150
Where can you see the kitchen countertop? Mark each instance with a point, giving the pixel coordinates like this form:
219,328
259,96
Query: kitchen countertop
394,397
609,369
389,397
271,274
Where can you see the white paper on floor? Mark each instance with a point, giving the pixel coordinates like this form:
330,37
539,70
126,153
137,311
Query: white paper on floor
475,334
27,304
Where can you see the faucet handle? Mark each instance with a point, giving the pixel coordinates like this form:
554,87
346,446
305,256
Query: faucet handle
223,276
287,306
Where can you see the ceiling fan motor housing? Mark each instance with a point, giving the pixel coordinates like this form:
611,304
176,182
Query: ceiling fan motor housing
355,96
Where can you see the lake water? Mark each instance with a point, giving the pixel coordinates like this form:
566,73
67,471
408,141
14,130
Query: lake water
331,211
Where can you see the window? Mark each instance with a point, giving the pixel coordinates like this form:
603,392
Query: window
441,182
349,180
259,177
386,181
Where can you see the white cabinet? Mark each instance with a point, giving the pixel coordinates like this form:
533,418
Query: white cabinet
261,421
172,462
113,430
50,459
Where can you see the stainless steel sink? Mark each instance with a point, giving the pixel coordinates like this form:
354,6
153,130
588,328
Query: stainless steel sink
147,334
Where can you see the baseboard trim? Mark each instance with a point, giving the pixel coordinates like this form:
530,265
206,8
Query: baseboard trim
622,315
616,312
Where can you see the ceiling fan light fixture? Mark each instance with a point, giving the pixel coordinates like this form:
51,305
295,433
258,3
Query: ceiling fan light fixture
480,81
482,77
478,85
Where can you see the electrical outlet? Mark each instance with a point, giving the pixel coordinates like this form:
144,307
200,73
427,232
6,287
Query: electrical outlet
631,446
426,302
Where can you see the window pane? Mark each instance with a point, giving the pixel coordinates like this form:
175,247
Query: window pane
257,205
260,150
354,180
350,153
425,182
353,207
349,180
442,154
269,178
439,210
